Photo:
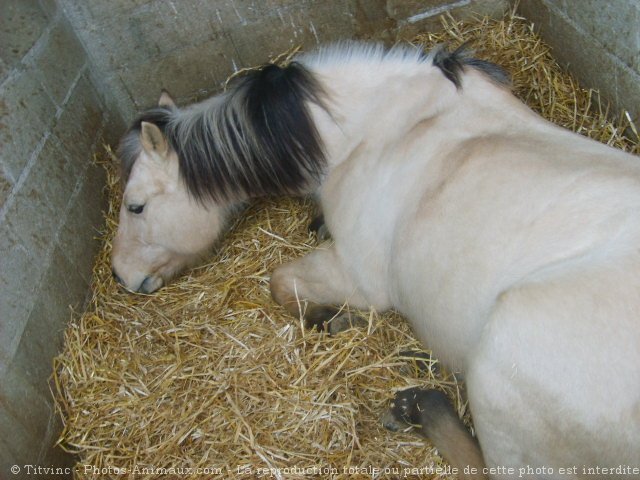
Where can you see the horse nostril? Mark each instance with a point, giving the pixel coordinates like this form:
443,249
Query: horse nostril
116,277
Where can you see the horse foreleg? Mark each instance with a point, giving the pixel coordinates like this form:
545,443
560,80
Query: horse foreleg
316,287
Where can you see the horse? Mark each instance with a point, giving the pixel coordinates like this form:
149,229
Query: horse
509,244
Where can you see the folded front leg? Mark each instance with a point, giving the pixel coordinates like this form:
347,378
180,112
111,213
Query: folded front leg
316,287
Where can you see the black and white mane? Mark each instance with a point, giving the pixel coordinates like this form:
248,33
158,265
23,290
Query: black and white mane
259,138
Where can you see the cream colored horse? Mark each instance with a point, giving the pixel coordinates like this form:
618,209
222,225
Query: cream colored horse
512,246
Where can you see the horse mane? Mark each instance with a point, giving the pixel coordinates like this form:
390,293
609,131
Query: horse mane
257,139
452,65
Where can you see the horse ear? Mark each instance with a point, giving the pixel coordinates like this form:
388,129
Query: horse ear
166,100
153,141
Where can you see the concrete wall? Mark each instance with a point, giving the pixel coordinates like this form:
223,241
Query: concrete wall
598,41
73,71
70,71
51,117
191,46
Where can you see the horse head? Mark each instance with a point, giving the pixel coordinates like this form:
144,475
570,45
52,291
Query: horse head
163,229
186,170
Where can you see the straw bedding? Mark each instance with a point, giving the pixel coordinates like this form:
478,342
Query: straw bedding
209,373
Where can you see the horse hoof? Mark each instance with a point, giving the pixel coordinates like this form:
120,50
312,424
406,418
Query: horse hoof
318,226
391,423
333,320
414,405
405,406
319,316
345,321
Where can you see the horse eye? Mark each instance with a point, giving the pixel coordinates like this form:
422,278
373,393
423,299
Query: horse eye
135,208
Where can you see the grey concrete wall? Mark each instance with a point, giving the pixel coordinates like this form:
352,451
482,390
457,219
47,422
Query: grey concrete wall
191,46
51,117
598,41
72,70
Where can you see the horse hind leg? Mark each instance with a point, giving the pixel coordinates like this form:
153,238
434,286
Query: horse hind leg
438,421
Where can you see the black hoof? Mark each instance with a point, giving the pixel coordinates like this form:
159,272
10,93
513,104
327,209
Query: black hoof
331,319
415,405
318,317
391,423
316,223
318,226
345,321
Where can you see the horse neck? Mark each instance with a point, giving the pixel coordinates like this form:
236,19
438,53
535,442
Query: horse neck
384,106
377,103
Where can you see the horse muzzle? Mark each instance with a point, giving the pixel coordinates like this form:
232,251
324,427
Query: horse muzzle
149,284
